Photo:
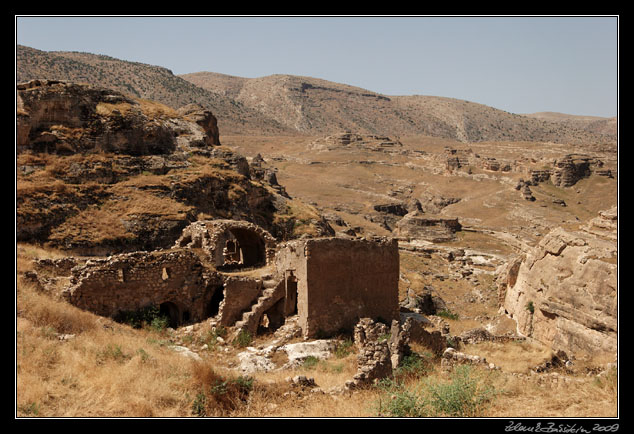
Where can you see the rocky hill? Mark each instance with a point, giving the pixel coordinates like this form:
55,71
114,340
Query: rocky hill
287,104
138,80
563,292
315,106
99,172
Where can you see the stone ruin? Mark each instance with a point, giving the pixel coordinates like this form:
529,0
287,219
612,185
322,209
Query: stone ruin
234,272
229,244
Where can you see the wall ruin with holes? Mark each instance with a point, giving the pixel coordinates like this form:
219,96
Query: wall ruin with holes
341,280
132,281
329,282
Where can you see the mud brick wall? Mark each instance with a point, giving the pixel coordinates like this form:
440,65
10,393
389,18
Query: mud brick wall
132,281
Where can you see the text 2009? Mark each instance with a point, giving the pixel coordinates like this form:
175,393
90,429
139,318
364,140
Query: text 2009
606,428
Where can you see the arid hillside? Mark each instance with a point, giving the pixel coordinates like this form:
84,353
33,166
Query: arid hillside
135,188
99,171
138,80
314,106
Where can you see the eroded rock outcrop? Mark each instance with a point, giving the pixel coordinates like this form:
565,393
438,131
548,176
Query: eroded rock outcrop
564,291
68,118
427,227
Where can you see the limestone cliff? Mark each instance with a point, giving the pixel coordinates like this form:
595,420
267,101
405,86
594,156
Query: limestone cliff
564,291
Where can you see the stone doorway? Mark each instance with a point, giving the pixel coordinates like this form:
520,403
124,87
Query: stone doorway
171,312
213,307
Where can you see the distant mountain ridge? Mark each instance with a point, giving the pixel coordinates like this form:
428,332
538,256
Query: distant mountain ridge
287,104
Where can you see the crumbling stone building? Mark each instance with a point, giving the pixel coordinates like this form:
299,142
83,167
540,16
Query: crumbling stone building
173,280
230,244
341,280
233,271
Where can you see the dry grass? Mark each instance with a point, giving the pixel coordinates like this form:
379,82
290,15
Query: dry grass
156,110
108,109
572,396
152,109
513,356
111,370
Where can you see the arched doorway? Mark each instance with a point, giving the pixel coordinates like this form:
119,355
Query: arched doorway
171,312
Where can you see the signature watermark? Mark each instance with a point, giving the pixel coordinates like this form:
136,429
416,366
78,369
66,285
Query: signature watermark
552,427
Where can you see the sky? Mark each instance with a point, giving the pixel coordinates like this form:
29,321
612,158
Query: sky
520,64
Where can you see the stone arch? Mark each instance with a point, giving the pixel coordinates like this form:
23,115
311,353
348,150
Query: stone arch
249,247
230,244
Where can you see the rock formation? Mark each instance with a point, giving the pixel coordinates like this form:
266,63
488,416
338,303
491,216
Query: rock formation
205,119
86,153
67,118
363,142
426,227
564,291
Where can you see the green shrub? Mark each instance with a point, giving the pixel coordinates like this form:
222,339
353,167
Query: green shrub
448,314
396,400
344,348
199,405
530,307
463,396
243,339
149,316
310,362
413,365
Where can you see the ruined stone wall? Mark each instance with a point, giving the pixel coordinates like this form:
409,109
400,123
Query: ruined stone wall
129,282
340,280
239,294
348,280
292,256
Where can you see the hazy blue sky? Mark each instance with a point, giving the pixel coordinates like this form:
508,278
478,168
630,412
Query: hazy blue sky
517,64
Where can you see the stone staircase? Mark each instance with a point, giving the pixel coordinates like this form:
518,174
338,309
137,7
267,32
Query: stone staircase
272,292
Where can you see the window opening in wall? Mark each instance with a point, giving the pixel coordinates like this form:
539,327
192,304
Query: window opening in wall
290,304
272,319
166,273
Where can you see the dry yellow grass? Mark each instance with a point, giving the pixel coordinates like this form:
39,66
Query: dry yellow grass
111,370
107,109
513,356
571,397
